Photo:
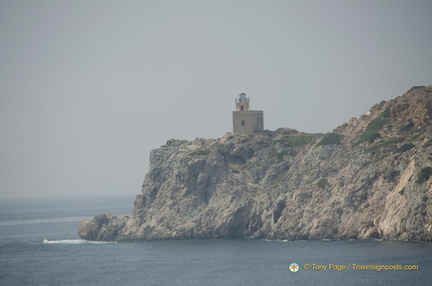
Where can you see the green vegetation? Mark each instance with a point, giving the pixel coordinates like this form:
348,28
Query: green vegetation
371,132
414,137
393,175
401,192
424,175
418,87
404,148
379,122
331,139
407,126
369,137
380,158
280,155
384,144
201,152
322,183
364,116
297,140
386,114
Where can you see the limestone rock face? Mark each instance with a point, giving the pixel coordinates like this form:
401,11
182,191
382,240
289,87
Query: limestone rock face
369,179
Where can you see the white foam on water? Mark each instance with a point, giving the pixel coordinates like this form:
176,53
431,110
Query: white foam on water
74,241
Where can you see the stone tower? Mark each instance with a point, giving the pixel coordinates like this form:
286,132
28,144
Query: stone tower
246,121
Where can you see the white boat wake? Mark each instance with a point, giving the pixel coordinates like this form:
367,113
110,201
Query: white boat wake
74,241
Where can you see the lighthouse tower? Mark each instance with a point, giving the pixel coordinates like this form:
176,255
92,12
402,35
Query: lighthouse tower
246,121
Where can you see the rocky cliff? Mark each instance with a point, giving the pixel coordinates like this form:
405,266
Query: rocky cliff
370,178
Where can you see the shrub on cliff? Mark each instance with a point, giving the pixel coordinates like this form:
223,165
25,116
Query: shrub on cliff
322,183
331,139
294,141
379,122
280,155
393,175
201,152
424,175
371,132
385,144
404,148
407,126
369,137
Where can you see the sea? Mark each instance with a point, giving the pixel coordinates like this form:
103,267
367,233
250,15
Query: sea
39,245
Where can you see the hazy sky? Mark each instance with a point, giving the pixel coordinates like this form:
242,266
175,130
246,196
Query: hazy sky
89,88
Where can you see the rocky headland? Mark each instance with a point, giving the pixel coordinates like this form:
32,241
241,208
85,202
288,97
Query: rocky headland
369,178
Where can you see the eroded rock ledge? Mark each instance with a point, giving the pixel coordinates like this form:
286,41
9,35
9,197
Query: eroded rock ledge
370,178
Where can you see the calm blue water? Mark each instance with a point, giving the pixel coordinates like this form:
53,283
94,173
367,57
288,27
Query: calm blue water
65,260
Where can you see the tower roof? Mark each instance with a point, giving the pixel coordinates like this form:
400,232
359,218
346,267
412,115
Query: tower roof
242,98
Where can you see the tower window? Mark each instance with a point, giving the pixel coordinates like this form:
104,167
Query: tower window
241,108
242,123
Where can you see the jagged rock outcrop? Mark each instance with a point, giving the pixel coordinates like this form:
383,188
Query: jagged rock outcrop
370,178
